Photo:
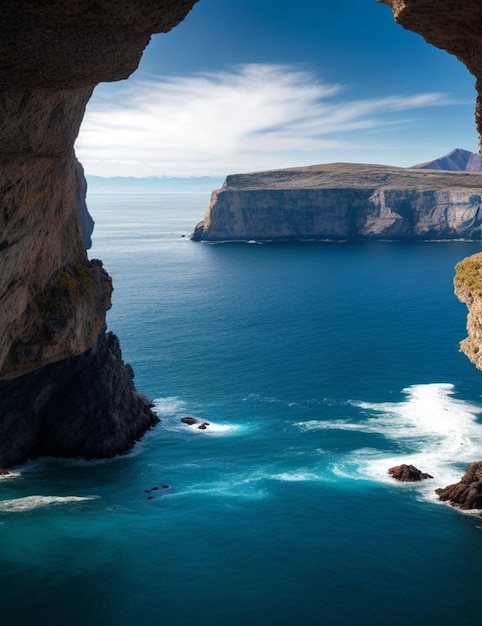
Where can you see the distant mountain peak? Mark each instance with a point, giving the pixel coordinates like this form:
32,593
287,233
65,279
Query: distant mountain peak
458,160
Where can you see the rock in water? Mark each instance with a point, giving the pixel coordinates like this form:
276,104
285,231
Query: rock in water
408,473
190,421
466,494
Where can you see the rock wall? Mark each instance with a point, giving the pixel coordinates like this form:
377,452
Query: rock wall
344,201
53,299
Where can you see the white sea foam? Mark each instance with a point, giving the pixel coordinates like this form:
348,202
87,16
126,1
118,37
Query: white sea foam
174,424
239,488
10,475
431,429
295,476
168,406
171,410
29,503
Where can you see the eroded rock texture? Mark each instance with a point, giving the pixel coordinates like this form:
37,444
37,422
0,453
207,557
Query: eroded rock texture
408,473
85,406
468,289
452,25
467,493
52,298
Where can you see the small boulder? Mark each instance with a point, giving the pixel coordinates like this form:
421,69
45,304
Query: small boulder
190,421
407,473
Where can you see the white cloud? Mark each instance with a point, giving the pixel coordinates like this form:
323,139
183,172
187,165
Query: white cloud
253,117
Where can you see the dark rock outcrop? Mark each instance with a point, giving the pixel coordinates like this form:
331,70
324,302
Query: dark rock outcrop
466,494
85,406
53,299
408,473
344,201
190,421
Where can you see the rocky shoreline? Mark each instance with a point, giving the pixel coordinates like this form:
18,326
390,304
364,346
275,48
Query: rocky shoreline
465,495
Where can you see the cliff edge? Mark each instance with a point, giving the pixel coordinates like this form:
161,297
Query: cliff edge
344,201
53,299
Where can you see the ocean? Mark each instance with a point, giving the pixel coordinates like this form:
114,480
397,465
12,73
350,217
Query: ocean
317,366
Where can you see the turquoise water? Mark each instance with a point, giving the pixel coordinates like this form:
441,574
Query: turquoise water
318,367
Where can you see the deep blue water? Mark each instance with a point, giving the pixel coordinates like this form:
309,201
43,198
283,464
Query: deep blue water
318,366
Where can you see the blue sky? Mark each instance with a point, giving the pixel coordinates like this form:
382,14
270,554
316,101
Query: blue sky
246,85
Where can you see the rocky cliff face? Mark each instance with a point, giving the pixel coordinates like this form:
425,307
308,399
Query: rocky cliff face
468,289
53,299
344,201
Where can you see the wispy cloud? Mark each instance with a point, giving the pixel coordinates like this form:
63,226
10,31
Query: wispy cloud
253,117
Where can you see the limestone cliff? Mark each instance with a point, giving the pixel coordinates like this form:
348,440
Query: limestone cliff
53,299
344,201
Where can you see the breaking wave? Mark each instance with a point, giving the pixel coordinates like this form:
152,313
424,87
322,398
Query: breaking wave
29,503
430,429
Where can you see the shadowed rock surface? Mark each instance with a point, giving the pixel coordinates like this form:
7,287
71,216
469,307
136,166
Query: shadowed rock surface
53,299
344,201
408,473
466,494
85,406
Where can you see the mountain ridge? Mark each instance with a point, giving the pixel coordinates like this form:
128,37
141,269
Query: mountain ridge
458,160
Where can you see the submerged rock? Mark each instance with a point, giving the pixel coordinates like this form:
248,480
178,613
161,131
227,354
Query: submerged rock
408,473
467,493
